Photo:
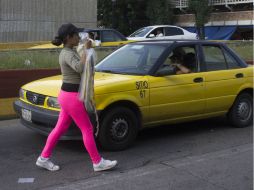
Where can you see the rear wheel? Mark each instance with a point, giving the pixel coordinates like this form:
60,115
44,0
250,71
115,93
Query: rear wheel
119,128
241,113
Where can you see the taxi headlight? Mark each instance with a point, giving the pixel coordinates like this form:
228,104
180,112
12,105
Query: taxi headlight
52,102
22,93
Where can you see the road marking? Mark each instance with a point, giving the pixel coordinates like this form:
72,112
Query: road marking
26,180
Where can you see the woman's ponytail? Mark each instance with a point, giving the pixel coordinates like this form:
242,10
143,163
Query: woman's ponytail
57,41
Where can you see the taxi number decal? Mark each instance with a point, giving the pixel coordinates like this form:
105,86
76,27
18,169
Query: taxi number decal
142,93
141,85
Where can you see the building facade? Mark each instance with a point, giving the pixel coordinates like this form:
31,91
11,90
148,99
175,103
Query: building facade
38,20
230,19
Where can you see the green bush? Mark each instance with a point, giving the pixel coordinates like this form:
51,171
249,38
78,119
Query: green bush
45,58
28,59
37,59
243,48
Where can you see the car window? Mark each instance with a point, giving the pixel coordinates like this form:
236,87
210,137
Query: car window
158,32
232,63
110,36
214,58
185,56
173,31
97,35
132,59
141,32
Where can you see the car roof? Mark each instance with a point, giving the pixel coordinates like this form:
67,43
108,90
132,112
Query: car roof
156,26
179,41
96,29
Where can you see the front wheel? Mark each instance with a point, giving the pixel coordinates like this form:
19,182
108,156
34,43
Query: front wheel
241,113
119,128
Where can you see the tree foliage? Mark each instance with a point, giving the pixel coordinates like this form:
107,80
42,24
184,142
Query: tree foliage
202,11
130,15
159,12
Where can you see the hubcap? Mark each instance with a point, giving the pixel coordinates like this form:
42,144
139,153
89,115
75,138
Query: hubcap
244,111
119,129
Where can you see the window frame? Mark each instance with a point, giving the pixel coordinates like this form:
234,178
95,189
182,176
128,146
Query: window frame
225,52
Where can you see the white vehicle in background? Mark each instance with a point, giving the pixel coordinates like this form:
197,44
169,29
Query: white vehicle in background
162,32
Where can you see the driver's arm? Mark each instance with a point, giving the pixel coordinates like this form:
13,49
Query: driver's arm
182,69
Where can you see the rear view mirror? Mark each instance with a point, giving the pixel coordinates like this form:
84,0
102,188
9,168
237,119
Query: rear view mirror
151,36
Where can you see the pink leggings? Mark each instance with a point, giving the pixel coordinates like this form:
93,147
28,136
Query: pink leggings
72,108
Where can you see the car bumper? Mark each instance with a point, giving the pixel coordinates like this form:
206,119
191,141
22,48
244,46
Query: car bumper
43,121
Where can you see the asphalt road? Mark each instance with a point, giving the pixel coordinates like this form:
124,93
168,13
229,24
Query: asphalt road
203,155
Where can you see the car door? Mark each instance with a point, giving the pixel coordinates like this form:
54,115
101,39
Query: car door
177,96
223,78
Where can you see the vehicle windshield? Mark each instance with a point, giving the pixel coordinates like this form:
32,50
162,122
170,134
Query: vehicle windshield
135,59
141,32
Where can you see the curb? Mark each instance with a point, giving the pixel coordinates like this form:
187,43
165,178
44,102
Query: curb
6,108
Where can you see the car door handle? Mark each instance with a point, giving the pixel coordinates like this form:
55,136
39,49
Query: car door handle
198,79
239,75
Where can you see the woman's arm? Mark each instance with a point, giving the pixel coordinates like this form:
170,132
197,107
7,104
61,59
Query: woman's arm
76,62
182,69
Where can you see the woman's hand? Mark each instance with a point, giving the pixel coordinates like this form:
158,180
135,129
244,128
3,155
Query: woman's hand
88,44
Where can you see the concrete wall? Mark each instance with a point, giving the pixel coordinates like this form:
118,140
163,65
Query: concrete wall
38,20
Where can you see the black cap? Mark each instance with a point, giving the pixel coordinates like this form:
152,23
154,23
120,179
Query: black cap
66,29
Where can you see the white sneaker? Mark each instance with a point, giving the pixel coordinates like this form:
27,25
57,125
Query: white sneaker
47,164
104,165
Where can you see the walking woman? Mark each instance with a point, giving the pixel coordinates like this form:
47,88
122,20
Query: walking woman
71,107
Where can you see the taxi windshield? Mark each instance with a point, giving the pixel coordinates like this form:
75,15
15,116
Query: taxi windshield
135,59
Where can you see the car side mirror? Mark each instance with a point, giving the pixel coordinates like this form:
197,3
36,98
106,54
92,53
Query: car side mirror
151,36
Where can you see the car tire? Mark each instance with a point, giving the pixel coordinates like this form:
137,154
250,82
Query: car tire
118,130
241,113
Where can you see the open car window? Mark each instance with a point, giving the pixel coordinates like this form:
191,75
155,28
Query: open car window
185,56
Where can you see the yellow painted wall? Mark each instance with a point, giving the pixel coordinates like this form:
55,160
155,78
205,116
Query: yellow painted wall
6,107
20,45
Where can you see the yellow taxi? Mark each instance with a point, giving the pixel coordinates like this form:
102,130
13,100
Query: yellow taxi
102,37
139,86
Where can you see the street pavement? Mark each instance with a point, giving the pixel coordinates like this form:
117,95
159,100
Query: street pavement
201,155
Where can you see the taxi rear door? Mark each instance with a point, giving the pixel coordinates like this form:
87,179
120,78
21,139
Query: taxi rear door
223,78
